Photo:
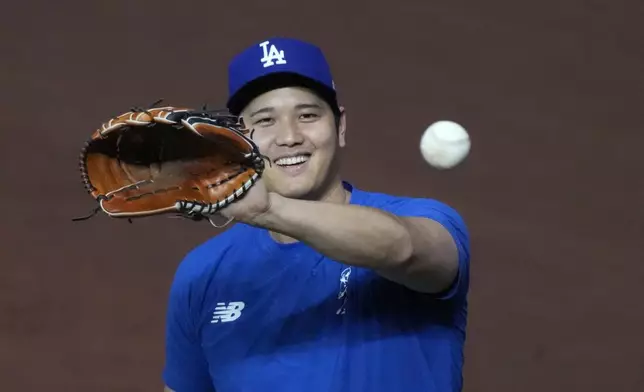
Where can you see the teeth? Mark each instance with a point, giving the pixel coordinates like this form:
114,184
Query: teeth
292,160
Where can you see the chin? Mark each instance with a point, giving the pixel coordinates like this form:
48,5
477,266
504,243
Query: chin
295,188
305,185
294,191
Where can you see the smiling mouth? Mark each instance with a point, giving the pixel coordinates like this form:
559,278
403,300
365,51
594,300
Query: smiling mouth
293,161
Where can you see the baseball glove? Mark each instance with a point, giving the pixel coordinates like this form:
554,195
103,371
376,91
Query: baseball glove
169,160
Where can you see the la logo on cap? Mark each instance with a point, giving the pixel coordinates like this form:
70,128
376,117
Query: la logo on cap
272,56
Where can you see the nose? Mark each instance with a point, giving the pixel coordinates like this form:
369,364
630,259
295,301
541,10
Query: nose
289,134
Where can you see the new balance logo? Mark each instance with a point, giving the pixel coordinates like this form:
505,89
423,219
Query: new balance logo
227,313
272,56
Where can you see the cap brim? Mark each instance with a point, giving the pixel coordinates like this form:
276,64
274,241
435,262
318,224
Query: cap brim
276,80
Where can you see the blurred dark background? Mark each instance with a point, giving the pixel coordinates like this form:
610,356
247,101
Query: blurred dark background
551,91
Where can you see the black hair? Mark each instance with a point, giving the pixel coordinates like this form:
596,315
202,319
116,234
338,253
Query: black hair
273,81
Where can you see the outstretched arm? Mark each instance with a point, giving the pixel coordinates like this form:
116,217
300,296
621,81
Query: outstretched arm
416,252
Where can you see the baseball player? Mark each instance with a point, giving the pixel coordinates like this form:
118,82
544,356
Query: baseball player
319,285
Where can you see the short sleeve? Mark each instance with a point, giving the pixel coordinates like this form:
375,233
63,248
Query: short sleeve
185,368
455,225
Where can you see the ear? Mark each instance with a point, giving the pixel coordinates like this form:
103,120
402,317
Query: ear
342,127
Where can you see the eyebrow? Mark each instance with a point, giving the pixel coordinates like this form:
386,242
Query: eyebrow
269,109
308,106
262,110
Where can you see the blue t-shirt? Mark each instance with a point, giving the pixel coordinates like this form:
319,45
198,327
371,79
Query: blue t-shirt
249,314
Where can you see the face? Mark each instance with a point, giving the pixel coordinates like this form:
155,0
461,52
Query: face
297,131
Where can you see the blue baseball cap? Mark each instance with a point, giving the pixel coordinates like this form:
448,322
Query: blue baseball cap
274,63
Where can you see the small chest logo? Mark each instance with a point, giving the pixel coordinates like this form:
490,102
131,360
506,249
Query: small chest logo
344,287
272,56
226,313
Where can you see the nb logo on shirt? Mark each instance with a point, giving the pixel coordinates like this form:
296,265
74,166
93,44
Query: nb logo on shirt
227,313
272,56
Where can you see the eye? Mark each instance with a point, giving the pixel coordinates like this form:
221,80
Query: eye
263,121
309,116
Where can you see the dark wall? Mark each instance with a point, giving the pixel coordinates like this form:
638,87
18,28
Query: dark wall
551,91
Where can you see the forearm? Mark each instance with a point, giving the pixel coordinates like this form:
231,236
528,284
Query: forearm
351,234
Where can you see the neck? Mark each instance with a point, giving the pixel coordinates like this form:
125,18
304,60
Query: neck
334,194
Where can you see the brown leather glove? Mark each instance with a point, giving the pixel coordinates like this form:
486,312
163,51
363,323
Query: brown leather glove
169,160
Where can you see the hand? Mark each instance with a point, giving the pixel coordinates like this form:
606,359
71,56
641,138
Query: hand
253,204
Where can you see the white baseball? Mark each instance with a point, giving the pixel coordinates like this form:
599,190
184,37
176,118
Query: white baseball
445,144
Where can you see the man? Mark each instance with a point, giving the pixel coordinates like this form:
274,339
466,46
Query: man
319,286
